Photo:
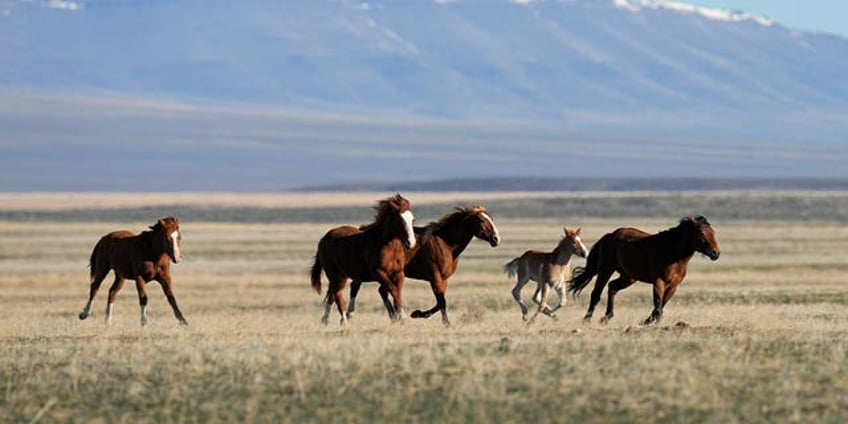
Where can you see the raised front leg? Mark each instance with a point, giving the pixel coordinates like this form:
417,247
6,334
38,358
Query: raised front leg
560,291
543,304
659,295
165,282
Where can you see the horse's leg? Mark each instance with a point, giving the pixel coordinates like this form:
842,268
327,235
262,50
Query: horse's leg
603,276
659,295
384,295
113,291
165,282
340,305
523,279
99,276
395,286
142,299
354,291
439,287
615,286
543,304
560,290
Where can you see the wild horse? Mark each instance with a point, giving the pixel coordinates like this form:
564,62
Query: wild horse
142,258
377,251
660,259
551,270
437,257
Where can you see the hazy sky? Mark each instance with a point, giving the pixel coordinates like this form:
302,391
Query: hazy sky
815,15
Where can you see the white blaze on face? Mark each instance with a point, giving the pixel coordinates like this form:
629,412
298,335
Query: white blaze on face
177,255
582,251
497,233
407,223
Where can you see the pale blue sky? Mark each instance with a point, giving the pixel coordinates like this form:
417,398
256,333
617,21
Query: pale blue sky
814,15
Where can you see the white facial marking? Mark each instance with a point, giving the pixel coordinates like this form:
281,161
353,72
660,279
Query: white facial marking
497,233
582,246
407,222
174,236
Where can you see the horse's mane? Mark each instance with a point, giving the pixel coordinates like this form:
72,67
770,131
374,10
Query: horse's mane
671,234
457,214
396,203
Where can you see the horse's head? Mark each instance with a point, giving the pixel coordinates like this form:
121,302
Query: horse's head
571,244
702,236
169,237
395,217
483,226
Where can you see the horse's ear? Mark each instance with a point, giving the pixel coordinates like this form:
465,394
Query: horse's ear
565,230
577,232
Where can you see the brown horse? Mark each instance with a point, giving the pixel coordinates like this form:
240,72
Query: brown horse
437,257
548,269
660,259
142,258
373,252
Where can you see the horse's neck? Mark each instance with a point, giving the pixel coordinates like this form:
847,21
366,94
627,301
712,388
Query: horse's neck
562,255
455,237
673,245
146,242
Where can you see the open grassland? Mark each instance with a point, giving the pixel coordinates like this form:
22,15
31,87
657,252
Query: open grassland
763,334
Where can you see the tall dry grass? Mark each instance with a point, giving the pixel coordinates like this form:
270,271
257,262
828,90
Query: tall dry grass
764,338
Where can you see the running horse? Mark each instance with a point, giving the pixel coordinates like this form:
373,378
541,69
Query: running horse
377,251
142,258
437,257
551,270
660,259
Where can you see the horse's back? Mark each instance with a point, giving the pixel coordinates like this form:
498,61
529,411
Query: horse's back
627,234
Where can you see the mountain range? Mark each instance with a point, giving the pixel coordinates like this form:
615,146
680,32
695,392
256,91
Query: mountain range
269,95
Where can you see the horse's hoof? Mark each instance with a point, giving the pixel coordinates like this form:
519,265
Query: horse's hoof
418,314
524,317
83,315
325,320
183,322
587,319
605,319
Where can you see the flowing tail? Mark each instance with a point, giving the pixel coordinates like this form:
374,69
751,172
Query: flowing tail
92,261
511,267
583,275
315,275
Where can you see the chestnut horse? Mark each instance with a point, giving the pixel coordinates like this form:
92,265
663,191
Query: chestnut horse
660,259
550,270
142,258
376,251
437,257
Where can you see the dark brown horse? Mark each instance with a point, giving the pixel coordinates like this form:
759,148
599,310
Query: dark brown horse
142,258
551,270
660,259
437,257
377,252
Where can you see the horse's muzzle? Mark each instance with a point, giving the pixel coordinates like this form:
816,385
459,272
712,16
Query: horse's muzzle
714,254
495,241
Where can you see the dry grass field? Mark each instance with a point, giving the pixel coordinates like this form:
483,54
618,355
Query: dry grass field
764,333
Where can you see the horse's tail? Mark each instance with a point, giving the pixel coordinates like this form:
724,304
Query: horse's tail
583,275
92,261
511,267
315,275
